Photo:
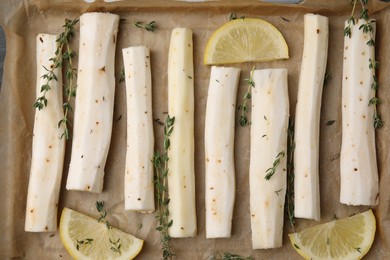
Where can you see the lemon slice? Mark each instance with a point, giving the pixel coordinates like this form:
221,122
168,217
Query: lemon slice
86,238
348,238
243,40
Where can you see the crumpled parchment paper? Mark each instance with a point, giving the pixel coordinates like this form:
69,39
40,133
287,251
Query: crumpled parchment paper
22,20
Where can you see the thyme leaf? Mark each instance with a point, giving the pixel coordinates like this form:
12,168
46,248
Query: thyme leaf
116,246
122,76
150,27
233,16
330,122
271,171
84,242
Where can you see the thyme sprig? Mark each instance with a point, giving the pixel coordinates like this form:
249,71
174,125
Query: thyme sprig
289,205
103,214
351,19
160,162
115,244
271,171
70,74
41,101
63,59
150,27
244,107
373,65
84,242
229,256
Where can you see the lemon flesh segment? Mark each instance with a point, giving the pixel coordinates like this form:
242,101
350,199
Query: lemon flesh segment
244,40
75,226
348,238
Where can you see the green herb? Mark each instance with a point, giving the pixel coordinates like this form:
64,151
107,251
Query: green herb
296,246
122,75
374,101
80,243
377,119
103,213
289,205
70,89
271,171
330,122
63,59
229,256
371,42
327,77
351,20
358,249
160,162
150,27
277,191
41,101
244,107
233,16
373,65
116,246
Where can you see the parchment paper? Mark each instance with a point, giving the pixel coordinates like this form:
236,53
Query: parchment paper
22,20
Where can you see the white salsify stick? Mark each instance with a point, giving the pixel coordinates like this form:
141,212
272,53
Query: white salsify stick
139,188
94,101
358,166
307,117
268,172
48,148
219,151
181,176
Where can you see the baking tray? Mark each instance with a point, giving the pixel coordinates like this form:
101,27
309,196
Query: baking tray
22,20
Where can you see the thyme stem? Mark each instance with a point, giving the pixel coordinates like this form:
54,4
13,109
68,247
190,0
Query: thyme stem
115,243
244,107
289,205
103,213
372,64
63,59
229,256
160,162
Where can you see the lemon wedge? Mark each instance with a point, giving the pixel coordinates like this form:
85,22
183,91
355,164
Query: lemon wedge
86,238
348,238
245,39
